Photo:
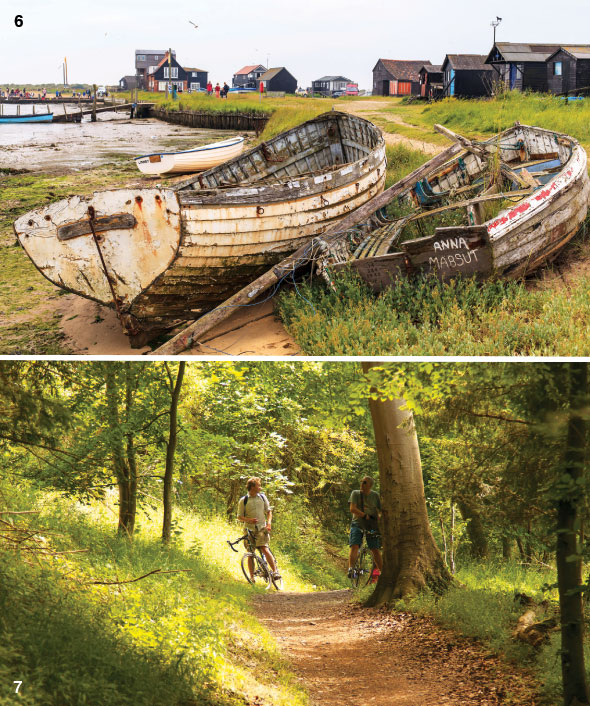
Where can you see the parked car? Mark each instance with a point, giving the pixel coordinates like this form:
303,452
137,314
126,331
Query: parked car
338,94
101,91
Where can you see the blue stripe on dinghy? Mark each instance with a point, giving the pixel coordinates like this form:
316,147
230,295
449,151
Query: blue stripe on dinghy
218,146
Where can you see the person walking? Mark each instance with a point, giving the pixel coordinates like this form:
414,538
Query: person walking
255,512
209,88
217,90
365,506
224,90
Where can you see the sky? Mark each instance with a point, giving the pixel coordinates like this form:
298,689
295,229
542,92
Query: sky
311,38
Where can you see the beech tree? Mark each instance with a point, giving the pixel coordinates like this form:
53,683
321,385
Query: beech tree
411,559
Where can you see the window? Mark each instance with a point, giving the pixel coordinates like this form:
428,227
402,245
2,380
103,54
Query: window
557,68
141,57
194,86
195,74
174,72
161,85
156,57
152,69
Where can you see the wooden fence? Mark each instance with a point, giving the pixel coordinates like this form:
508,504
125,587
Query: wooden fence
213,120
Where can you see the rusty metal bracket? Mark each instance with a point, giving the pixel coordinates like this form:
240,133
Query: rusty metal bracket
92,221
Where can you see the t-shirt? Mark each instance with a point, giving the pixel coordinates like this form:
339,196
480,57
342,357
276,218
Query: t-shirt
257,507
371,503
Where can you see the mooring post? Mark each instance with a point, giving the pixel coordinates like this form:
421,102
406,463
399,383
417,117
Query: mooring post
93,116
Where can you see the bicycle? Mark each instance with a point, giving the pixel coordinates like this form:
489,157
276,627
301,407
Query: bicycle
261,567
364,566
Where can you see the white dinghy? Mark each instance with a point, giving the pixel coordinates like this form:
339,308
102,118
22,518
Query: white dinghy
190,161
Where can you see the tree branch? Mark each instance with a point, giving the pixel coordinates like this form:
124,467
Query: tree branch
155,571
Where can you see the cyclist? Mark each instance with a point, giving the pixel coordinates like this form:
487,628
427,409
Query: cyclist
255,512
365,505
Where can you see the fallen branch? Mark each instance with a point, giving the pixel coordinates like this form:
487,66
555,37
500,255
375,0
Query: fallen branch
19,512
155,571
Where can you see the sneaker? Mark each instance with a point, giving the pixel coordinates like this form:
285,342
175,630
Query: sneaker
276,575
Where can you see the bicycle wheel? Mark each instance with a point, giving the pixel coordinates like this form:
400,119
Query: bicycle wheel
263,571
245,567
365,566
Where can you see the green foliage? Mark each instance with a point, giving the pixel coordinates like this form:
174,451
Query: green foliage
180,637
425,317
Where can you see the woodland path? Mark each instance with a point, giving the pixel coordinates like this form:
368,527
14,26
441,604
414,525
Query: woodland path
346,655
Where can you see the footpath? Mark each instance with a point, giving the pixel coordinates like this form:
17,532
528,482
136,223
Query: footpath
346,655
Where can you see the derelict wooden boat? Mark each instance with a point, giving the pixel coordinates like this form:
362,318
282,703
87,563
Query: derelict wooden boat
40,118
190,161
539,179
160,256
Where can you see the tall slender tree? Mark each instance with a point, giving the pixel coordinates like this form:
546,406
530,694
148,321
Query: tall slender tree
174,386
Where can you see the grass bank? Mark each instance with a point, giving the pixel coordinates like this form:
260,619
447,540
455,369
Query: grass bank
483,606
76,628
425,317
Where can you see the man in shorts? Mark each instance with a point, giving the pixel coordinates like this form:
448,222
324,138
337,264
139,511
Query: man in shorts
365,505
255,512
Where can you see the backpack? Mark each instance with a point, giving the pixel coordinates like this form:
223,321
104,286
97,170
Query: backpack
245,499
370,524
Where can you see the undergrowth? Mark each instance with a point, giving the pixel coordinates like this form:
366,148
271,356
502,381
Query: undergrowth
73,631
425,317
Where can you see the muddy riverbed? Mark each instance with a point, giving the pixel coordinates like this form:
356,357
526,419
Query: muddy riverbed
60,148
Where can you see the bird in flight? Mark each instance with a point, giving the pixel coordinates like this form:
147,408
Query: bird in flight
193,24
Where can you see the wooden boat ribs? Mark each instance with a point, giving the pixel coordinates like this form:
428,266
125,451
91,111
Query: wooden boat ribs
545,203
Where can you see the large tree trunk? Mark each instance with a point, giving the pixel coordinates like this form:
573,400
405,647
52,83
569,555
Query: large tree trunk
569,559
122,453
411,559
475,529
170,451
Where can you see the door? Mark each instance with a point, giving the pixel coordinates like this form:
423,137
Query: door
513,72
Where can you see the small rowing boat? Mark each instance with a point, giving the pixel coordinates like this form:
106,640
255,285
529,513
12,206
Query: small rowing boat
504,206
160,256
41,118
190,161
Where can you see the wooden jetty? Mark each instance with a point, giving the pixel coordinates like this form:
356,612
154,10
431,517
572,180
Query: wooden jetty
113,107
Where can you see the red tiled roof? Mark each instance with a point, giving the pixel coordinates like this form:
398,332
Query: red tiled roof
247,69
405,70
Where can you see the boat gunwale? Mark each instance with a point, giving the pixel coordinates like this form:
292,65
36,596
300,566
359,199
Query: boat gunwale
230,142
332,115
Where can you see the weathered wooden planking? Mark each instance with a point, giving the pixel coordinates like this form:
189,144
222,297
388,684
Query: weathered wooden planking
101,224
379,272
452,251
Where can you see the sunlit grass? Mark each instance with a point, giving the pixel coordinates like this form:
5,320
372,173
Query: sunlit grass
192,630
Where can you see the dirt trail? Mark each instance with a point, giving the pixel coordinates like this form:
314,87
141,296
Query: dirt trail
346,655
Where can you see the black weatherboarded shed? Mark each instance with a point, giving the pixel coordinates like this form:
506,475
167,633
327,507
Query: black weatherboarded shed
521,67
279,79
397,77
466,76
568,69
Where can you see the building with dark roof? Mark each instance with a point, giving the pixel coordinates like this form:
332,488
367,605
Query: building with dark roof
521,67
279,79
248,76
431,81
174,74
467,76
128,83
568,69
146,61
327,85
394,77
